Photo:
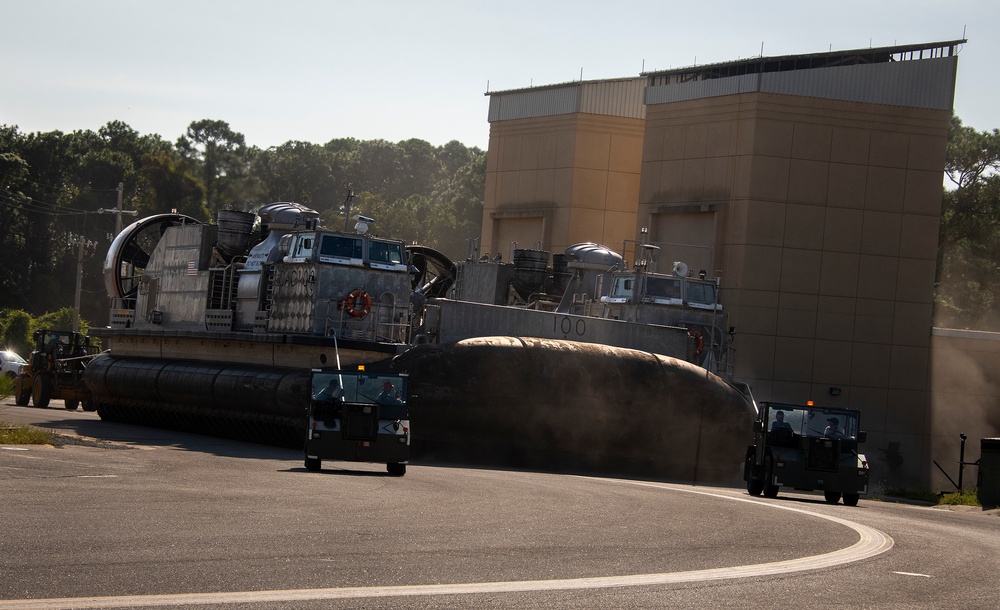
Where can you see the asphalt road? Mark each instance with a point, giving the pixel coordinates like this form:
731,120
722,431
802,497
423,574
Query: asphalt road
126,516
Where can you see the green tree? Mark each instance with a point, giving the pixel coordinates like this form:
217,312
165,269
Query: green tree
968,287
61,319
372,205
17,327
454,156
43,219
14,173
420,166
341,146
53,183
167,182
220,156
15,331
462,193
118,136
378,169
300,172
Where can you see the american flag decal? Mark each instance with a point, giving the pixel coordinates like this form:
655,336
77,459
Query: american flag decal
191,268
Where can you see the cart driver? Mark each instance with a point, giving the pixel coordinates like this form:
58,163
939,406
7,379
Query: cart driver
779,422
388,396
833,428
332,391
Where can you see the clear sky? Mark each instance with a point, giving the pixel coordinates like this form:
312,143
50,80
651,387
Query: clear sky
317,70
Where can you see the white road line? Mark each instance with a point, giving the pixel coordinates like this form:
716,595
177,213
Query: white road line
913,574
871,542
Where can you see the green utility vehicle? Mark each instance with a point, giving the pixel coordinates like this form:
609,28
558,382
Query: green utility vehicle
808,448
358,416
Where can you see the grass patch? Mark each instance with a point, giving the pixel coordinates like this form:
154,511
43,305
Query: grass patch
23,435
966,498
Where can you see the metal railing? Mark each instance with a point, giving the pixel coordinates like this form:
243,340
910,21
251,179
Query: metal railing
384,323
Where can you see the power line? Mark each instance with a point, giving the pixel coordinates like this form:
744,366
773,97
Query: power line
18,200
29,206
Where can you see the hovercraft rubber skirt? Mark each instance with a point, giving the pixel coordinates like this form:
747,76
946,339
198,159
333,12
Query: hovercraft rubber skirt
256,404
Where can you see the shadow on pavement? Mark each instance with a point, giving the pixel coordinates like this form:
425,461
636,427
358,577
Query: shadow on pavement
77,428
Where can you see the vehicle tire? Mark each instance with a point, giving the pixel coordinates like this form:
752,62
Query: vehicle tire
832,497
22,395
396,469
41,391
72,404
89,405
851,499
313,464
770,491
754,484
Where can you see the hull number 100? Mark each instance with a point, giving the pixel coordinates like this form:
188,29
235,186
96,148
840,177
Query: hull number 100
567,326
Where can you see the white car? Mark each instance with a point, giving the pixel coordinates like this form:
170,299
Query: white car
11,363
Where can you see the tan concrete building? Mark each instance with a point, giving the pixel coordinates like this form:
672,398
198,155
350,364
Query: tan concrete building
810,184
563,166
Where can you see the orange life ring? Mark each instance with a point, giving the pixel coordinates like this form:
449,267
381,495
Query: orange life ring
699,342
358,303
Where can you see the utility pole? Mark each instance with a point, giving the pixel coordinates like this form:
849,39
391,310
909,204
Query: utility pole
81,242
118,211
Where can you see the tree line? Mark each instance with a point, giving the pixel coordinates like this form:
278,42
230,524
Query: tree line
52,185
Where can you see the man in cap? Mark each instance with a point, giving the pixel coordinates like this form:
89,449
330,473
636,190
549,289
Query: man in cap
332,391
388,396
833,428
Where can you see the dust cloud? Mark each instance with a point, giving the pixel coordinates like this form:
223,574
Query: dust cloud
965,399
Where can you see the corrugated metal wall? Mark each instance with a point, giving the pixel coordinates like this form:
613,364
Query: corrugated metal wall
618,98
664,94
536,102
622,98
928,83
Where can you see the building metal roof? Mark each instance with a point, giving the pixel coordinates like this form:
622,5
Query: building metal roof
808,61
917,75
620,97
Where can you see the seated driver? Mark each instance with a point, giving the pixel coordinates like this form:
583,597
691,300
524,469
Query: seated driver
779,422
833,429
388,396
332,391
